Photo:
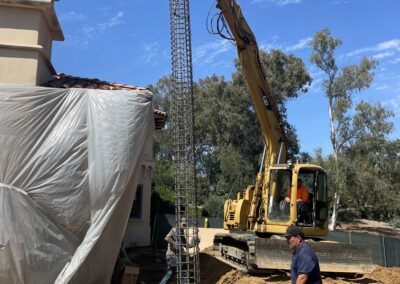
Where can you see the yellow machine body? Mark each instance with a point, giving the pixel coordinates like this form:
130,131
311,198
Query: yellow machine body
256,218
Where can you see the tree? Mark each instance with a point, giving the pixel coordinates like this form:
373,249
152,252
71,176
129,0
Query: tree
339,86
227,135
163,198
227,129
287,77
163,138
374,160
228,139
368,166
213,206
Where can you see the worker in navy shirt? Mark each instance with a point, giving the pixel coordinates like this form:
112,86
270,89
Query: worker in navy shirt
305,265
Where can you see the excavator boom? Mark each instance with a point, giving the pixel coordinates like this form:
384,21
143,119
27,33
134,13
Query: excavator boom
264,104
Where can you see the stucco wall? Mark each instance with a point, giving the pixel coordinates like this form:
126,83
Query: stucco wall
19,25
44,37
18,66
44,73
25,46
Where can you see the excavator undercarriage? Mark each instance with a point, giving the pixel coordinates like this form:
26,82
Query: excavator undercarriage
249,253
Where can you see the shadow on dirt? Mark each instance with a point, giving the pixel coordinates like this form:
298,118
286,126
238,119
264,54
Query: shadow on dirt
212,269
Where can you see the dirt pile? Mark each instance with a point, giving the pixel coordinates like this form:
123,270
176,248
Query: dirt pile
370,227
152,265
214,271
385,275
152,269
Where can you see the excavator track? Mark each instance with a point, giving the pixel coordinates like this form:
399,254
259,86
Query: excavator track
233,263
251,254
237,250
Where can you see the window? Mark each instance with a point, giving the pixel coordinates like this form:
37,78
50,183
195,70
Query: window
279,186
322,187
136,211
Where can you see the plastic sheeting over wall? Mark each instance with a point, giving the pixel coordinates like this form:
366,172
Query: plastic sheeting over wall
68,165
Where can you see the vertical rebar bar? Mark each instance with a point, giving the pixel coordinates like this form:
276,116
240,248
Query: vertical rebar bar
182,125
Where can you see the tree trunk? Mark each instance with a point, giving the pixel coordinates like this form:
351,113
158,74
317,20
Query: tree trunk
336,200
332,130
332,225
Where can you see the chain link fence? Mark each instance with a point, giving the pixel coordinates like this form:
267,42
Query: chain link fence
385,250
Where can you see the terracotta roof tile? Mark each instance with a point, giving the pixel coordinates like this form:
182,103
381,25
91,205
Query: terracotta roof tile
63,81
160,117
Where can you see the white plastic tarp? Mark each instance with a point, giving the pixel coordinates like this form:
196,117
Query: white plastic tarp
68,165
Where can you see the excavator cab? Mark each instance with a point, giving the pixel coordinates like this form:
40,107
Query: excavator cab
284,183
275,210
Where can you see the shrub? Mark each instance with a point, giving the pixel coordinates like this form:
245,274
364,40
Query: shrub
348,214
214,206
395,222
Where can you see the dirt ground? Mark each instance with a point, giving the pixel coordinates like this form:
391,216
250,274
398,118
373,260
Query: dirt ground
223,274
213,271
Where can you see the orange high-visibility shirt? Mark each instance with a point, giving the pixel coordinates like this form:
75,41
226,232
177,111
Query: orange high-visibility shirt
302,193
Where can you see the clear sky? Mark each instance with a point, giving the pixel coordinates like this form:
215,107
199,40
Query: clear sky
127,41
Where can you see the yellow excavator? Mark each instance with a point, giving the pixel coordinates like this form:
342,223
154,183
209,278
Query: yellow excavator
258,218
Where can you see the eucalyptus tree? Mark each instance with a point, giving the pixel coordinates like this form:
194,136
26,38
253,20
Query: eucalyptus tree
375,161
340,85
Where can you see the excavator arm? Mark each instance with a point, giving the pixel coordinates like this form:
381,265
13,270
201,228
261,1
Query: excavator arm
267,113
264,104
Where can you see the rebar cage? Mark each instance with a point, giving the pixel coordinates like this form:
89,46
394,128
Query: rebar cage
182,125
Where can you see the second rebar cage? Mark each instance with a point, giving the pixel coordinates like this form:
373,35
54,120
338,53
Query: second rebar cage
182,125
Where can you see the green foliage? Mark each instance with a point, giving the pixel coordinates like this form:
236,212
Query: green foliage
323,55
348,215
227,130
365,163
371,121
364,166
339,86
214,206
164,195
374,182
287,78
163,138
164,176
369,179
286,74
395,222
229,143
235,171
162,202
